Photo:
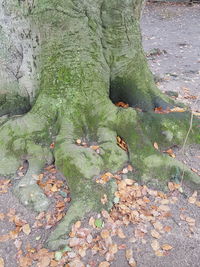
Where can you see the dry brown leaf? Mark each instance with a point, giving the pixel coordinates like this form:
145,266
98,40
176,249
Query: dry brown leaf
77,225
158,226
120,233
129,181
1,262
160,110
155,245
94,147
177,109
121,143
167,229
155,234
54,188
25,261
104,264
44,261
166,247
197,203
105,234
189,219
26,229
159,253
129,254
155,145
113,248
164,208
132,262
18,244
170,152
92,222
192,200
78,141
122,104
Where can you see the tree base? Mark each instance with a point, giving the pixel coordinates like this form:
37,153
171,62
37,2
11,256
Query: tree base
81,165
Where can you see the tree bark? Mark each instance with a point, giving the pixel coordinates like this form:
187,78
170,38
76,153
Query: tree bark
77,59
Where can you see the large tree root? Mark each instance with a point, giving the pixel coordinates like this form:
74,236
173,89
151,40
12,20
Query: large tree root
81,165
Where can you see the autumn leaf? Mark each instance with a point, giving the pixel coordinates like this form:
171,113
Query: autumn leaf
155,245
105,234
52,145
160,110
170,152
120,233
104,264
177,109
121,143
166,247
1,262
122,104
155,145
155,234
94,147
26,229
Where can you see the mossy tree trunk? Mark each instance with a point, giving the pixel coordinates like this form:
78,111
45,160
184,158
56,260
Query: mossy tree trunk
83,56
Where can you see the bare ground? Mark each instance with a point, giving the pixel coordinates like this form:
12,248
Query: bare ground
171,36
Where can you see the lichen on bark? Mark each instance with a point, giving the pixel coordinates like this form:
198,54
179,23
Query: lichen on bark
89,57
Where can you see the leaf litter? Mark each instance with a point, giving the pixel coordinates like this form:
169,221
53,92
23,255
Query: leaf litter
103,235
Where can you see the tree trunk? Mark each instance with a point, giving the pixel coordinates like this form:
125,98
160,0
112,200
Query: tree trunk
67,63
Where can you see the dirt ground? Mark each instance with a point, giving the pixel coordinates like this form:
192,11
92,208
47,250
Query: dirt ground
163,229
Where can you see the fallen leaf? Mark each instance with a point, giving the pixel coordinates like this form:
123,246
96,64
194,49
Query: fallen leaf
129,254
159,253
132,262
177,109
94,147
189,219
155,234
155,145
166,247
1,262
26,229
44,261
120,233
164,208
113,248
155,245
170,152
121,143
104,264
52,146
122,104
78,141
167,229
158,226
54,188
105,234
77,225
160,110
